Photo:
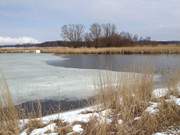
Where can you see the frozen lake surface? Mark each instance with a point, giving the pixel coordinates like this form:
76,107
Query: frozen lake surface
29,77
46,76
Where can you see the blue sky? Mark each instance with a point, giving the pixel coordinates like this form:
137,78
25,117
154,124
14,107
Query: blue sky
42,19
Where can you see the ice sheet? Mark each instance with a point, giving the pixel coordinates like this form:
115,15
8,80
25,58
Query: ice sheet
29,78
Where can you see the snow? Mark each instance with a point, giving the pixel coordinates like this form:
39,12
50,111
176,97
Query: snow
41,131
77,128
152,109
160,134
176,100
175,132
80,116
160,92
70,116
120,122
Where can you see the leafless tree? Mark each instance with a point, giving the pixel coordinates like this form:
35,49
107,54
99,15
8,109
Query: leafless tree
95,31
108,30
72,32
88,39
99,35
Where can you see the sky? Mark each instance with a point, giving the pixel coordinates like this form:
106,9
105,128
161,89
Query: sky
41,20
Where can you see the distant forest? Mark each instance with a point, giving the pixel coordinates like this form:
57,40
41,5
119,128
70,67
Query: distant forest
98,35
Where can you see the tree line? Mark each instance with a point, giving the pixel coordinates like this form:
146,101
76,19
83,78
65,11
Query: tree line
99,35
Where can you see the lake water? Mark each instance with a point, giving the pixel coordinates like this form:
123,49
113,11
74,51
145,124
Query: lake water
46,76
123,63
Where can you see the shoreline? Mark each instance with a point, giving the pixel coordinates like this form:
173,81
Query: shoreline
160,49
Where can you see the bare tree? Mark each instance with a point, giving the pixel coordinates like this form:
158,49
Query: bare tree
95,30
95,33
99,35
108,30
72,32
108,34
88,39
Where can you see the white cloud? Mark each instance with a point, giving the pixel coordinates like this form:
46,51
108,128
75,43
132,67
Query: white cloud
18,40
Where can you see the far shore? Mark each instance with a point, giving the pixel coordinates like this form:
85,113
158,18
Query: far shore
159,49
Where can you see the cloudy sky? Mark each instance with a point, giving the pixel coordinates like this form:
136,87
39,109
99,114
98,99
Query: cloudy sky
41,20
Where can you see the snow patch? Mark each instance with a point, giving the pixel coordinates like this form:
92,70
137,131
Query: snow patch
161,92
176,100
152,109
77,128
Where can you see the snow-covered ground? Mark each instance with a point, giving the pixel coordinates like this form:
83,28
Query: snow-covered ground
69,117
29,77
84,115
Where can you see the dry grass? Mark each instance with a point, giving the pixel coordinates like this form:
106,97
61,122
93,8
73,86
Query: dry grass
64,130
126,97
168,115
173,82
34,124
8,113
94,127
160,49
128,102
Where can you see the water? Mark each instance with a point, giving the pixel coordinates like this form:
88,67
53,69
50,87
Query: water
46,76
123,63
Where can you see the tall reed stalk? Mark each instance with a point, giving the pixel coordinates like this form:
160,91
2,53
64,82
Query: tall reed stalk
8,113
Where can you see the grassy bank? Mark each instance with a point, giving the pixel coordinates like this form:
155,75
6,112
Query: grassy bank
160,49
134,109
124,106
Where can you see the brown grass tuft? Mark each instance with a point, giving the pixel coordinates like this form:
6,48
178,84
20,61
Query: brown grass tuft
128,97
173,82
8,113
168,115
34,124
64,130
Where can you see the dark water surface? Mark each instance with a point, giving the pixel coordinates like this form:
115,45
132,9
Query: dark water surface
125,63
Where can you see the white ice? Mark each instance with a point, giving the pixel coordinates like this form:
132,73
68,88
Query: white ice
29,77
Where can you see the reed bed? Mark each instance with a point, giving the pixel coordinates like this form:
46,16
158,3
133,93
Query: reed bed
128,100
160,49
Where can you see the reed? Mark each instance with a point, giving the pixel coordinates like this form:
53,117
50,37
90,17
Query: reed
128,100
8,113
159,49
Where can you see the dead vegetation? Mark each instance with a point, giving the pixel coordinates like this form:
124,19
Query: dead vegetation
173,83
160,49
128,103
8,113
127,100
34,124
